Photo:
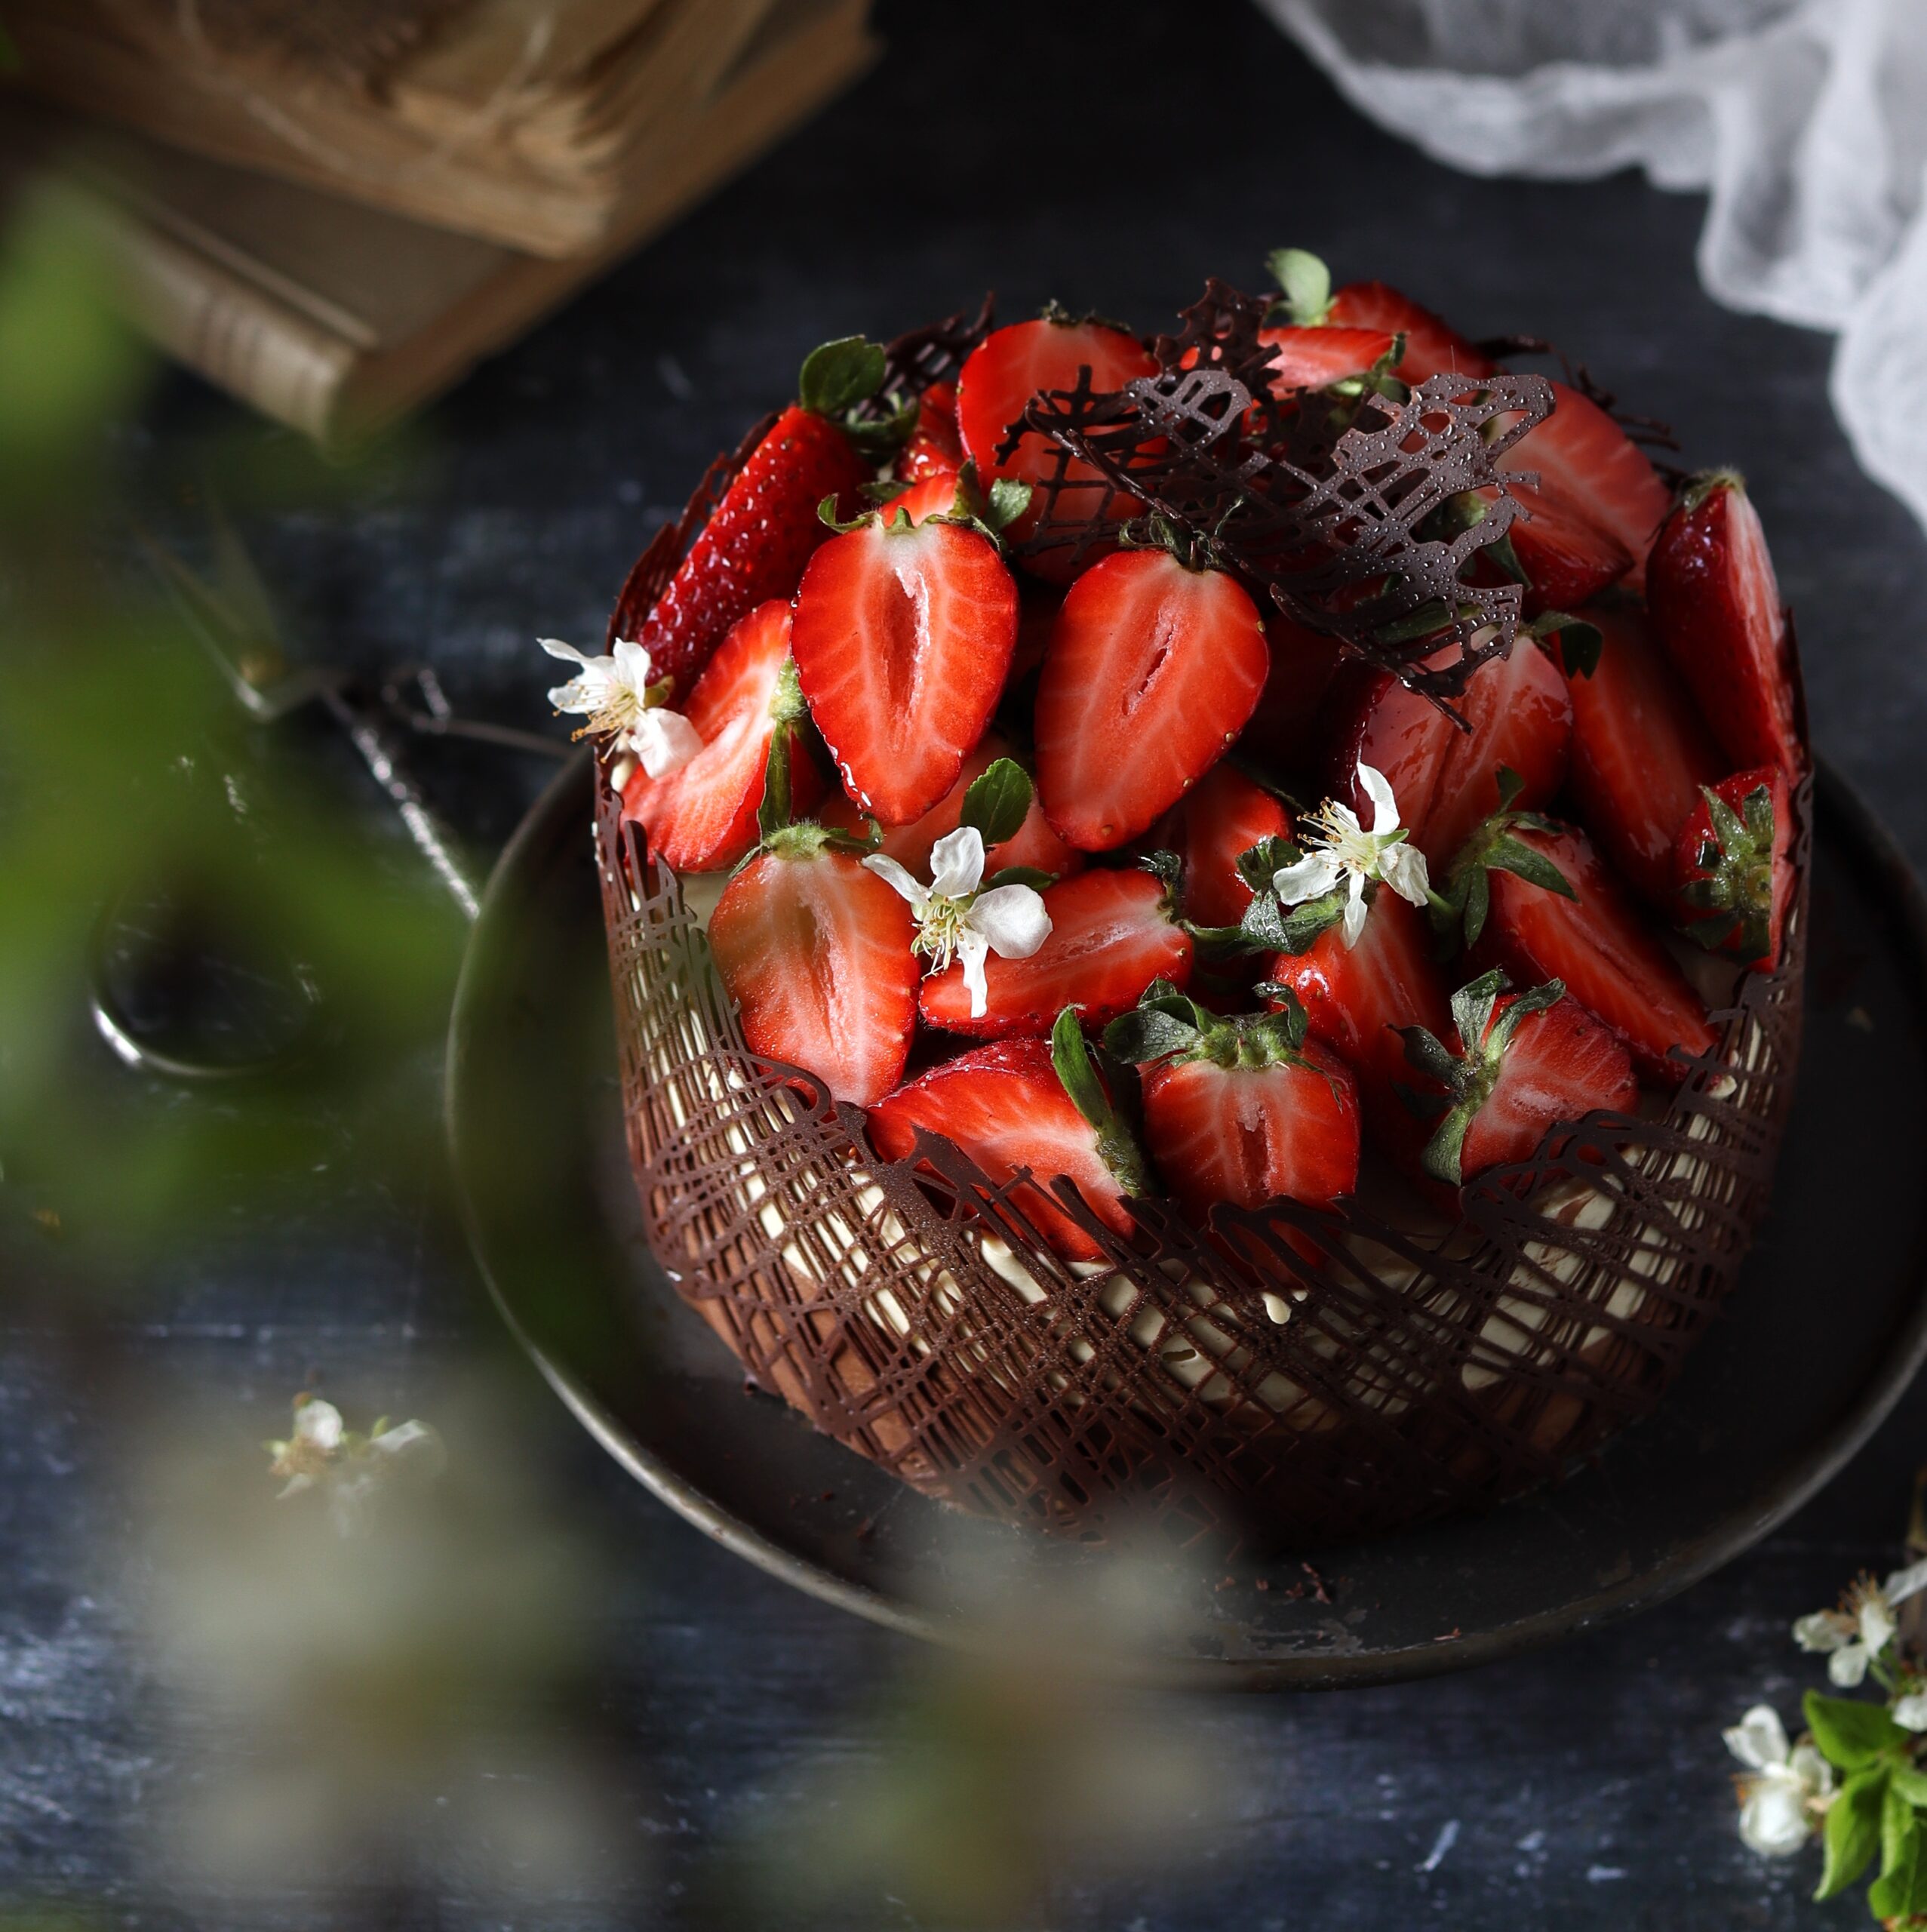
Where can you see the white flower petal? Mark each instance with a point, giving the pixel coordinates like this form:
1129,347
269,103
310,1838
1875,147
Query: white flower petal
956,863
630,663
1758,1740
1355,911
318,1423
1774,1821
1911,1711
1905,1583
577,695
899,879
1403,868
1013,918
1384,807
1813,1773
1877,1623
1311,877
665,741
1824,1630
567,652
414,1443
971,948
1847,1666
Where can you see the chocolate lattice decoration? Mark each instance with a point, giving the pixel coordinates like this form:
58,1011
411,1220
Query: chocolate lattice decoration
1334,507
1209,1388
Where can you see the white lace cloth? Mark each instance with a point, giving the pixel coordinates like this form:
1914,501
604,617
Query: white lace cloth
1805,120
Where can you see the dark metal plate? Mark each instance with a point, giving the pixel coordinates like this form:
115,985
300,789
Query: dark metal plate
1826,1328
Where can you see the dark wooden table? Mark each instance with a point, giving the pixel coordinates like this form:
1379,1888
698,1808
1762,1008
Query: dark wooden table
1109,156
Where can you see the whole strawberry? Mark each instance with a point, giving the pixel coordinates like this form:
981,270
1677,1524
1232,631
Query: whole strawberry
760,536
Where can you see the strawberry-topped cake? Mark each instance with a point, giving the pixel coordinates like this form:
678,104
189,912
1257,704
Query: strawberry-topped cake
1237,815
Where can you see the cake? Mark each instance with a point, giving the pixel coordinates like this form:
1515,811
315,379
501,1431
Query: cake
1206,930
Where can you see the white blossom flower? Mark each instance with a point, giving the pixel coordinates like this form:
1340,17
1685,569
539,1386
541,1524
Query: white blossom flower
1781,1804
304,1457
615,694
954,919
1339,848
1862,1628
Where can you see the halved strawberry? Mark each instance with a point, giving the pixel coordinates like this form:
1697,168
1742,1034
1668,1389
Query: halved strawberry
1640,751
1006,1106
1363,310
1244,1109
933,494
1567,557
1034,845
934,444
902,640
1152,670
1011,365
1432,347
1446,780
766,528
1716,605
815,952
1310,358
702,818
1223,814
1354,998
1536,1059
1111,933
1590,472
1734,866
1595,943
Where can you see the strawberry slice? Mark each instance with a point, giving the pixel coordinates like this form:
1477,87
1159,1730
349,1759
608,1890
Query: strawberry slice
1735,868
1716,607
766,528
1445,780
1006,1106
1432,347
815,952
1590,473
1365,310
1246,1109
1008,368
1111,933
1568,558
1310,358
933,494
1596,944
1540,1059
702,818
1226,814
1034,845
1152,670
902,640
1640,751
934,444
1356,998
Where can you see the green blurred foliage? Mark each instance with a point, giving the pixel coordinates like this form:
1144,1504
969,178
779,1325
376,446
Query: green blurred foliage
127,774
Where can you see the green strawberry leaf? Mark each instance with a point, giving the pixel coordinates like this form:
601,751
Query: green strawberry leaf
1850,1732
1070,1054
997,802
1009,498
1580,643
1852,1835
1030,875
1307,286
837,375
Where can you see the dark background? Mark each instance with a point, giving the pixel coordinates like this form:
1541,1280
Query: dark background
1110,156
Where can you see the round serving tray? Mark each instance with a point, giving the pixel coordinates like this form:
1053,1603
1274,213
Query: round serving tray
1827,1327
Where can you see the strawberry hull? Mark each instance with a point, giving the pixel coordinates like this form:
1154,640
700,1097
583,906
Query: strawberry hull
1280,1373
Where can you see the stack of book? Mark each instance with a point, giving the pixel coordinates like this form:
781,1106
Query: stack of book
335,241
